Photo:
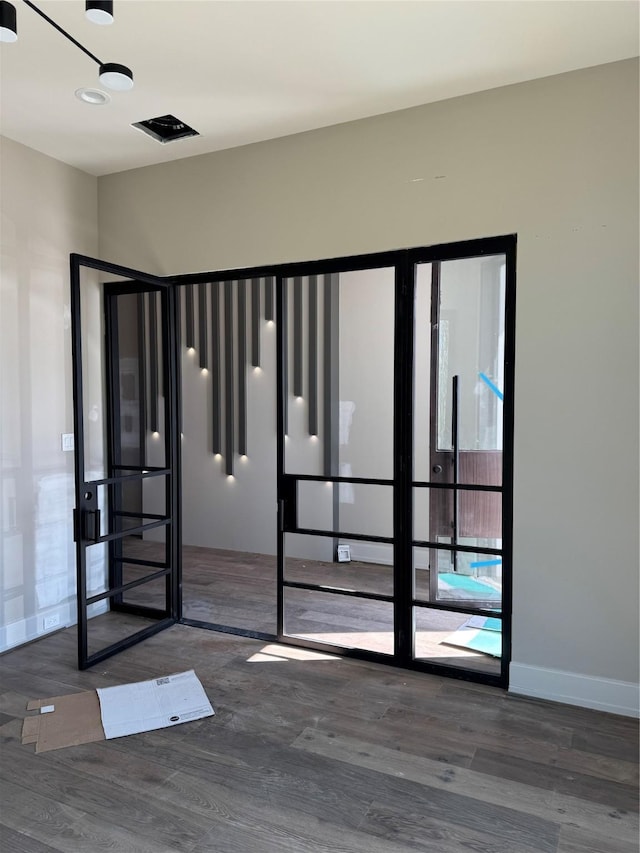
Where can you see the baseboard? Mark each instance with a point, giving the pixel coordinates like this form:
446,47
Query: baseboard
601,694
381,553
32,627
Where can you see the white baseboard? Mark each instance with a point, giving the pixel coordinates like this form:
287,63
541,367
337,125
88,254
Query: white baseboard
381,553
602,694
32,627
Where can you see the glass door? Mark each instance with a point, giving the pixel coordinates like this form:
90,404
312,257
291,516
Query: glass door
395,383
463,361
126,520
336,547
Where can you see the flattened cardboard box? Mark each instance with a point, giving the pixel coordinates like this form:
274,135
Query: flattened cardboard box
115,711
75,719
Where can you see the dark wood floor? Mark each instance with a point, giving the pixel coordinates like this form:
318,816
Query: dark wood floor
313,754
238,589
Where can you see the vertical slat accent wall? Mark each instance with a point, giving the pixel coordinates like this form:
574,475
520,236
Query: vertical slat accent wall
189,310
242,366
142,378
269,315
153,361
255,322
285,353
229,377
216,356
222,320
203,344
312,309
179,313
297,337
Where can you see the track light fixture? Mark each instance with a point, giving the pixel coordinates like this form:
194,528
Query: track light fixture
114,76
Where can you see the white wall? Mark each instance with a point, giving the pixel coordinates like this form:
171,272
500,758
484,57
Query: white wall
554,160
48,210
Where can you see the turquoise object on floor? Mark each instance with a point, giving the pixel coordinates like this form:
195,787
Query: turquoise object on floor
468,584
487,642
479,634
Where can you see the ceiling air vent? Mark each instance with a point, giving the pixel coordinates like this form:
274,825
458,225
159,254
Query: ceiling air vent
165,128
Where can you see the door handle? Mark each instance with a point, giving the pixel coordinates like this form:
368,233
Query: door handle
91,525
437,469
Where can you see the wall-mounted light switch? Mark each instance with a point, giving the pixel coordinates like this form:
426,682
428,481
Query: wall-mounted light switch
67,441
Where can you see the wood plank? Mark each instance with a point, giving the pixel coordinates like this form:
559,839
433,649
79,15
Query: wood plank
17,842
548,805
420,832
65,828
532,772
168,824
573,839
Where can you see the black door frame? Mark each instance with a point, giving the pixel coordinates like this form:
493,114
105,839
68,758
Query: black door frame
404,262
87,511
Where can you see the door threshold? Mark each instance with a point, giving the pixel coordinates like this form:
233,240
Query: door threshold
228,629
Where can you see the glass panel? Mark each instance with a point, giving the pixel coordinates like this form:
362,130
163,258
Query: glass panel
368,566
107,627
462,517
462,578
466,344
133,501
94,373
350,507
457,639
97,574
149,594
150,546
136,347
340,356
471,346
422,373
231,588
340,620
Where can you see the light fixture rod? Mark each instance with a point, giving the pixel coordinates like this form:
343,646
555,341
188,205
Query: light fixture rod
64,32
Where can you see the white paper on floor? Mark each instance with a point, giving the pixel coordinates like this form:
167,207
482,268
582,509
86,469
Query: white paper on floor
156,704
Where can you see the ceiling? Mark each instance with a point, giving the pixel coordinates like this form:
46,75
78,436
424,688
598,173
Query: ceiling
242,72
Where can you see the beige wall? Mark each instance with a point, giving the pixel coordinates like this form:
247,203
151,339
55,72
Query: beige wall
554,160
48,211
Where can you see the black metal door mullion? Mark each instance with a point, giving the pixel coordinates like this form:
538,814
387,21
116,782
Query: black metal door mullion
403,461
507,457
79,460
173,407
281,404
114,456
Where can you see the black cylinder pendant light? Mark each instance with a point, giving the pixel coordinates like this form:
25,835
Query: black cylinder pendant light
114,76
8,24
99,11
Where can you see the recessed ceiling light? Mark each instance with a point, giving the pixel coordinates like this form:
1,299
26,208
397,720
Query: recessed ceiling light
93,96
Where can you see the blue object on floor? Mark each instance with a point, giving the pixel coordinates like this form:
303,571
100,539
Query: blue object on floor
468,584
486,639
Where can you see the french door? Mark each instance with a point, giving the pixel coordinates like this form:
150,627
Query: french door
127,518
395,422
